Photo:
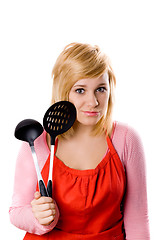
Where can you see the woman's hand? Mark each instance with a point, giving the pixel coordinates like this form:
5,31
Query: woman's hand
43,209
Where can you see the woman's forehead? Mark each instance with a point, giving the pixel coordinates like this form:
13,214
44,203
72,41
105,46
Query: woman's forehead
103,79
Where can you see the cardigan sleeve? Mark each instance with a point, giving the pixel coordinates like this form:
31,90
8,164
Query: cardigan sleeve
136,221
25,183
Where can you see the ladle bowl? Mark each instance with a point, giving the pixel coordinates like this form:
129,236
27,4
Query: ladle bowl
28,130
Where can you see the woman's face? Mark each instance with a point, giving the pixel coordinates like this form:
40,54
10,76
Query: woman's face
90,97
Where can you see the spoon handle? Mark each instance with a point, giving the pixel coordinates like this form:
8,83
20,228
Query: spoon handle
42,187
49,185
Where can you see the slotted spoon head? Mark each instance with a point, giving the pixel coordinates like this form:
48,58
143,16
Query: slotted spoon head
59,118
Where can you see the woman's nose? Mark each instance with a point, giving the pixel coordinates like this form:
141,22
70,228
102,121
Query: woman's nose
92,100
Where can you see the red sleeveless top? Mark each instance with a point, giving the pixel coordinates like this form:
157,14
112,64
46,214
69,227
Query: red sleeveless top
90,201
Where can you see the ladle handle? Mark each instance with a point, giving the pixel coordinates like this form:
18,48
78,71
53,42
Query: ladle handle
42,187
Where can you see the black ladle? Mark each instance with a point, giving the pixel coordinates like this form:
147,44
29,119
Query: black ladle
28,130
58,119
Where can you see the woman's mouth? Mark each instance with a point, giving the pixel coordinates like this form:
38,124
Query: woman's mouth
91,113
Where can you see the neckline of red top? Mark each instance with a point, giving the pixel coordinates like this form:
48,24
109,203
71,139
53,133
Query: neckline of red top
85,172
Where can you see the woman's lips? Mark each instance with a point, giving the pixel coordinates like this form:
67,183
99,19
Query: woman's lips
91,113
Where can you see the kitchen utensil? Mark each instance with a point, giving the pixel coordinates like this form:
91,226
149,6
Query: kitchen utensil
28,130
58,119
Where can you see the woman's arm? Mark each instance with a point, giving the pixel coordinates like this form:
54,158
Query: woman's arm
25,183
135,205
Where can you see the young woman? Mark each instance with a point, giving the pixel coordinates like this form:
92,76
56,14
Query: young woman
99,179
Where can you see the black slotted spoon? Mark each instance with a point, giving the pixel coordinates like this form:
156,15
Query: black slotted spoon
28,130
58,119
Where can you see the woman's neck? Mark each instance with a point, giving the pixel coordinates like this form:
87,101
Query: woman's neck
81,133
83,130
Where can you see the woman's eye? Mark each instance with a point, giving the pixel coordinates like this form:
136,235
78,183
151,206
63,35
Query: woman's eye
101,89
80,90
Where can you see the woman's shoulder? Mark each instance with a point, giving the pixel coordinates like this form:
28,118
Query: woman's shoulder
125,130
126,138
41,141
41,146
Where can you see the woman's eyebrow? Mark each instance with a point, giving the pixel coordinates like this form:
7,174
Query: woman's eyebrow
102,84
79,85
83,85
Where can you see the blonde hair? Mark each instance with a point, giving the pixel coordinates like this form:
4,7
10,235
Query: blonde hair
78,61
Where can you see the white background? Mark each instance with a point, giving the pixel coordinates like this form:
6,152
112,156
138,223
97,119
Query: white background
33,33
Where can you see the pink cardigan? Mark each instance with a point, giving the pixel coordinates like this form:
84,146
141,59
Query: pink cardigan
129,148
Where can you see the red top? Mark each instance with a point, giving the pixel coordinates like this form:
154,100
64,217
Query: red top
89,201
130,150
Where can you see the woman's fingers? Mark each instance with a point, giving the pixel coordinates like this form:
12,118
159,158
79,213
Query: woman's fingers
43,206
37,195
43,209
46,221
46,214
